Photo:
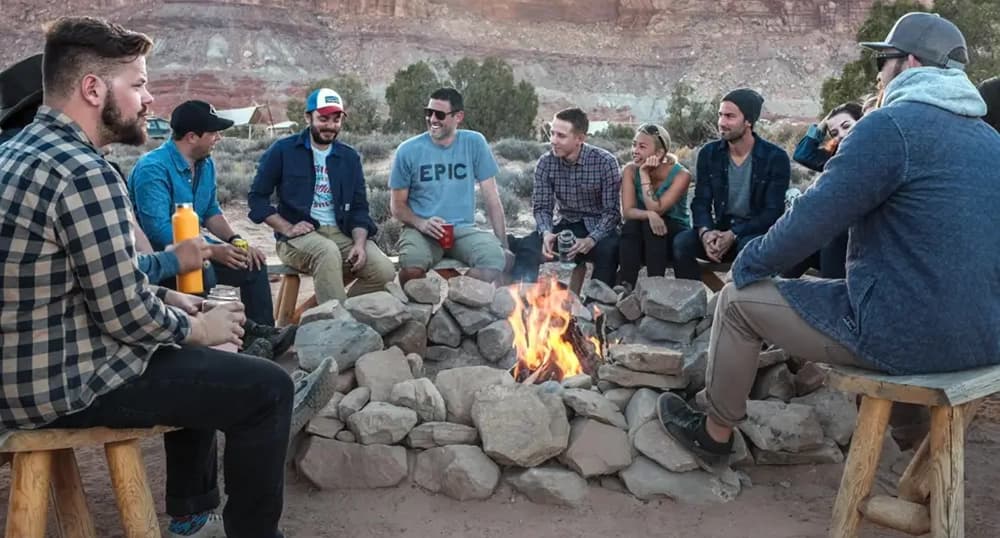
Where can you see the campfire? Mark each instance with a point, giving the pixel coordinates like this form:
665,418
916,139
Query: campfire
549,341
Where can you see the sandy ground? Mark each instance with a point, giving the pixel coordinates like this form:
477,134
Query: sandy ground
784,502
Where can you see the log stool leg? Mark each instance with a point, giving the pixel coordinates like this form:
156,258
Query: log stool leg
29,495
947,480
287,296
914,484
128,478
72,514
711,280
859,471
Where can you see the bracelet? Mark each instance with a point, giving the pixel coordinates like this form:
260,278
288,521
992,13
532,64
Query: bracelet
234,238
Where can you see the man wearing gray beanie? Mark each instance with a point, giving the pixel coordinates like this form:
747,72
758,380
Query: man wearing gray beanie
739,188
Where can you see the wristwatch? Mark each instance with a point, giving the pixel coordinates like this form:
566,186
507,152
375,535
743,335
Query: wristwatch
234,238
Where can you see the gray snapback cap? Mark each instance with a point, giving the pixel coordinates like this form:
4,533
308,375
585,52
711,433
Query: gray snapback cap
928,36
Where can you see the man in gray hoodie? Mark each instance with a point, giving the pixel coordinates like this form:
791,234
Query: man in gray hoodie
915,184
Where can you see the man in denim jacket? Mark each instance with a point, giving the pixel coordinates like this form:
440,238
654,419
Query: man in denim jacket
739,188
915,184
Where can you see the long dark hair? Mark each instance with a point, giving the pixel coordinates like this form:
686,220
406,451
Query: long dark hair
851,109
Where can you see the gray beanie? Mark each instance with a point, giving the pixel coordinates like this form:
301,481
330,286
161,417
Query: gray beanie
748,101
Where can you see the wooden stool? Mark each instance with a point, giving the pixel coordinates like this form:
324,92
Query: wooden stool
709,277
43,460
931,489
288,293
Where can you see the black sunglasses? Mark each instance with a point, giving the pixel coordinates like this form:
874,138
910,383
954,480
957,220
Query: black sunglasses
653,130
883,57
428,112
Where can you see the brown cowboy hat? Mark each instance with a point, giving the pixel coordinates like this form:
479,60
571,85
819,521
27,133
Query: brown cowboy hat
20,87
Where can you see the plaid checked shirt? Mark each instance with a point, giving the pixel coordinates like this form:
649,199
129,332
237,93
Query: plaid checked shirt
78,318
587,190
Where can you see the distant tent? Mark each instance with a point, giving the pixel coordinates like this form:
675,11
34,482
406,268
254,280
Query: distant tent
249,116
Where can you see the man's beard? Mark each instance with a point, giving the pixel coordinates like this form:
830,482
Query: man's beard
732,134
115,129
317,136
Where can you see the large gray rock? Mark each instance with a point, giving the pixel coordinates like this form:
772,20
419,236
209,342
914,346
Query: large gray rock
431,434
666,331
550,485
421,396
424,290
774,382
647,480
382,423
620,397
579,381
613,318
379,309
630,307
328,310
345,382
416,363
461,472
590,404
495,340
640,410
809,378
596,449
470,292
324,427
837,413
343,339
345,436
828,452
380,370
470,319
444,330
696,364
441,358
595,290
770,357
656,445
652,359
458,387
353,402
396,291
628,378
778,426
519,424
420,313
503,302
671,299
330,409
331,464
411,337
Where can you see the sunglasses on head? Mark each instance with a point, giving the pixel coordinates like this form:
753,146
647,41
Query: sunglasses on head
440,115
653,130
883,57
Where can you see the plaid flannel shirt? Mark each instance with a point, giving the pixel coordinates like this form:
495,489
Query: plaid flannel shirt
587,190
78,318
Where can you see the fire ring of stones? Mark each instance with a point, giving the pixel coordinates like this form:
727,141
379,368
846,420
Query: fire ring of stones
456,385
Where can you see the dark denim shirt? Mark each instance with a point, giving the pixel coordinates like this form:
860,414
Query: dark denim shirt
768,182
288,167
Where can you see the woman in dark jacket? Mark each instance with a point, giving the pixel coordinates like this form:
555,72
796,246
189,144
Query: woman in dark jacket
813,151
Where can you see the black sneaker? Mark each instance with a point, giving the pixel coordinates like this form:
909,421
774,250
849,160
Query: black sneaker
259,347
281,339
687,426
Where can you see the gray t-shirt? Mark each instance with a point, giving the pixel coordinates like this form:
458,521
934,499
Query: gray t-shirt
739,188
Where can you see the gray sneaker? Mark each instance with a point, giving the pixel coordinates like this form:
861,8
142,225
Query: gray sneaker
212,528
312,391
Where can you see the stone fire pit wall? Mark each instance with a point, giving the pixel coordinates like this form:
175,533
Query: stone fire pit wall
424,394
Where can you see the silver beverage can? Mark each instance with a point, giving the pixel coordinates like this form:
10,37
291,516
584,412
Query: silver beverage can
564,243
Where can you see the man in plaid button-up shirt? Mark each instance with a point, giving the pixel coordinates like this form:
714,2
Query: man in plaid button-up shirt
578,188
85,340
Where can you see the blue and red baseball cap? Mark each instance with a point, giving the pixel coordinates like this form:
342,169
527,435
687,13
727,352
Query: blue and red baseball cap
325,101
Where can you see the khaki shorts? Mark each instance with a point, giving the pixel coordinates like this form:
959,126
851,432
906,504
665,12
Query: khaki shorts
473,247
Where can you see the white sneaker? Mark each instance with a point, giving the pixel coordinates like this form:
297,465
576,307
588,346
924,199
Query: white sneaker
212,528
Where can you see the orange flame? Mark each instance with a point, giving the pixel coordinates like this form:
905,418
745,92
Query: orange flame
540,319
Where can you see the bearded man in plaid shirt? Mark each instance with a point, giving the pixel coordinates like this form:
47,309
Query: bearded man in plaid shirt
86,340
577,188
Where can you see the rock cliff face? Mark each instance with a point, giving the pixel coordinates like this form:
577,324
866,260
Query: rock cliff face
618,58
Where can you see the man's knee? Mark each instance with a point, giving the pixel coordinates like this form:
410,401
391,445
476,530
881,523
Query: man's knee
607,248
407,274
686,244
378,269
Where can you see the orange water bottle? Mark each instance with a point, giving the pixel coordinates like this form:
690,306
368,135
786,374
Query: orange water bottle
185,224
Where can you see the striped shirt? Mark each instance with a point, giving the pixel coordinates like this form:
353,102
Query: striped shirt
587,190
77,318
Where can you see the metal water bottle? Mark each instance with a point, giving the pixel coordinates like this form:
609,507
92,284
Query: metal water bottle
185,225
564,243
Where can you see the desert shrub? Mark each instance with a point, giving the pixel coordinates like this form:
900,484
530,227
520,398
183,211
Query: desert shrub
518,181
618,132
612,145
388,235
515,149
378,204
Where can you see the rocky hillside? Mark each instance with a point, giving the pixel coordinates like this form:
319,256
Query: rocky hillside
617,58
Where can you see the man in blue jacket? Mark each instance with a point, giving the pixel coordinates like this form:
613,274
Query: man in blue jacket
322,223
739,188
182,171
915,184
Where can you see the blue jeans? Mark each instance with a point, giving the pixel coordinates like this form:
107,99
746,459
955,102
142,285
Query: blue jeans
255,289
203,390
688,249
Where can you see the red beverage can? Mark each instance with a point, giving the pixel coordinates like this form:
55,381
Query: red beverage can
448,239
